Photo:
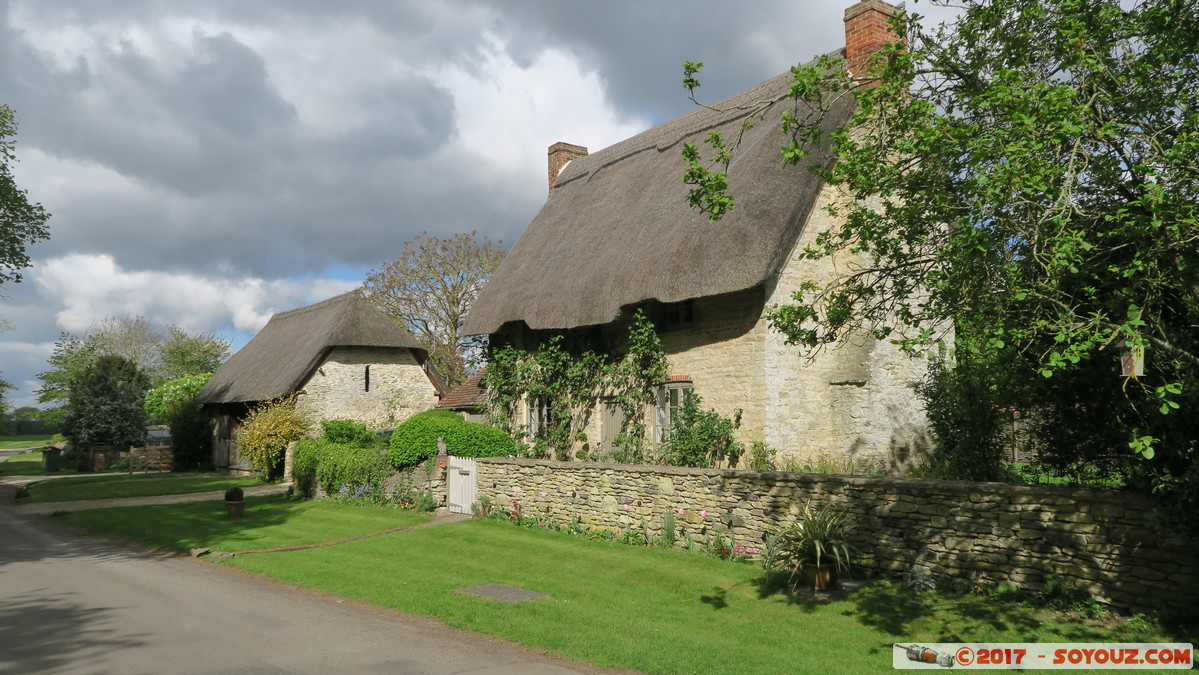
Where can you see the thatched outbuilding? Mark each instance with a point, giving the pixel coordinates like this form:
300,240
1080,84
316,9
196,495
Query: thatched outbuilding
343,358
617,234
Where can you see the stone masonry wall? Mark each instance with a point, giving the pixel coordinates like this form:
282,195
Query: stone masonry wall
848,403
1109,543
399,387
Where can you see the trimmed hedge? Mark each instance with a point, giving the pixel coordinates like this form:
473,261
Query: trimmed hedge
415,440
347,455
348,432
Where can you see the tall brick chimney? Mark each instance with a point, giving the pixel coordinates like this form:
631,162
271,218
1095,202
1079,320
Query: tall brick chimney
560,155
867,29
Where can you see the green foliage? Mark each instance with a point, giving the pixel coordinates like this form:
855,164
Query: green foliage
348,432
1025,174
967,422
569,380
415,440
815,538
71,356
21,223
761,457
234,494
162,399
344,468
701,437
104,406
191,436
267,431
183,354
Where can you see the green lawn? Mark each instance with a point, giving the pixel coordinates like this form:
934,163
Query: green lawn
24,441
273,521
139,485
29,464
656,610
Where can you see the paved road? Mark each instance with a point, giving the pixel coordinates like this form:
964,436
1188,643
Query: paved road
71,603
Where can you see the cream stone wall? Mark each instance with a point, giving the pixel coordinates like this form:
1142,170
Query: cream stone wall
1113,544
851,403
399,387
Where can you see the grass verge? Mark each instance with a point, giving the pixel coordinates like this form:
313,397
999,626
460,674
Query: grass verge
139,485
23,441
658,610
29,464
273,521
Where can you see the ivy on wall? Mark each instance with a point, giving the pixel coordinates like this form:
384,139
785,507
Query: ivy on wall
571,384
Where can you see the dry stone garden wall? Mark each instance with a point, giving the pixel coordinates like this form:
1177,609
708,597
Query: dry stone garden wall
1109,543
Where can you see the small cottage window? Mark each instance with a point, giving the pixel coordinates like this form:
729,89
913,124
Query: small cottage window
366,379
538,416
668,316
670,399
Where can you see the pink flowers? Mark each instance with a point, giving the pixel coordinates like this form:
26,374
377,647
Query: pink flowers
516,493
542,494
703,514
682,511
626,507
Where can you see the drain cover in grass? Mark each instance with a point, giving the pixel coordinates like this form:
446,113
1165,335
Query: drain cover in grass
502,593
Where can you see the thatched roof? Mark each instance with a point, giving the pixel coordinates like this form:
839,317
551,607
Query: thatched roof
617,229
276,361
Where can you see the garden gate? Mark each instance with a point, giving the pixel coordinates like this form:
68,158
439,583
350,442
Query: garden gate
463,479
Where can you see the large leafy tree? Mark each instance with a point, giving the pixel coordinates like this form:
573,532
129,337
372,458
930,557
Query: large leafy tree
21,222
1026,174
429,289
183,354
105,404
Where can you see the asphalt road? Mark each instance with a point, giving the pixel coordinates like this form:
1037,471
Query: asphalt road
72,603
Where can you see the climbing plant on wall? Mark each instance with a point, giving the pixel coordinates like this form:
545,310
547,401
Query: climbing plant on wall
570,384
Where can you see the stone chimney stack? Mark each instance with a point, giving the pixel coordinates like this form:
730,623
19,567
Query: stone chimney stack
560,154
867,29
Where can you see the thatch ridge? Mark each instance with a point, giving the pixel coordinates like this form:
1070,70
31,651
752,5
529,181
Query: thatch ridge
279,358
617,229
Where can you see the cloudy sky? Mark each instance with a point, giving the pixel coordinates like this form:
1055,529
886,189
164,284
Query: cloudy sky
210,163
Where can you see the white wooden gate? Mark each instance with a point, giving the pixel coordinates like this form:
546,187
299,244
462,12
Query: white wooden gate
463,484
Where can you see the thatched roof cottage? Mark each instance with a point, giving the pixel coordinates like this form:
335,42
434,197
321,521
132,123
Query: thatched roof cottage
343,357
617,234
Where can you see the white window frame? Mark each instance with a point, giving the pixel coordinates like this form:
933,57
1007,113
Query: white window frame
537,412
669,400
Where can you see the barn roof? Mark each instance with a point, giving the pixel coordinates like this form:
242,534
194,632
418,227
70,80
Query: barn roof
276,361
617,229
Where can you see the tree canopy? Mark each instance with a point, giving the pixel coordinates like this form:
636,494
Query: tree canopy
429,289
1026,176
21,223
105,404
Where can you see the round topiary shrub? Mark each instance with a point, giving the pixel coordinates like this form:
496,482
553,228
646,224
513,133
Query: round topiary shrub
415,440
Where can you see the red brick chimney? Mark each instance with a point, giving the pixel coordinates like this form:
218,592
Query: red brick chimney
560,155
867,29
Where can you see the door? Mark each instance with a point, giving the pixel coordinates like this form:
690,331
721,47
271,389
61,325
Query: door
463,481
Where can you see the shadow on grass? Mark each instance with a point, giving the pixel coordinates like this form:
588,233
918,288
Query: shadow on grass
182,527
44,632
770,584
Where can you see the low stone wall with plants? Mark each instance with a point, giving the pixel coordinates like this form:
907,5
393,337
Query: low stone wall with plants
1108,543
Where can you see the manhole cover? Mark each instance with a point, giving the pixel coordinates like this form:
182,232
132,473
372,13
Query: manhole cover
502,593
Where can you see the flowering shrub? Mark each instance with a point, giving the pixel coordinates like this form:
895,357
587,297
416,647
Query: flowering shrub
162,399
267,431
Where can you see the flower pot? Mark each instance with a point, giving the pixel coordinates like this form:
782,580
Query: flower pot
820,578
235,509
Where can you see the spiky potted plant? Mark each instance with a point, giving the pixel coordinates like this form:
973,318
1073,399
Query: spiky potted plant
815,547
235,503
